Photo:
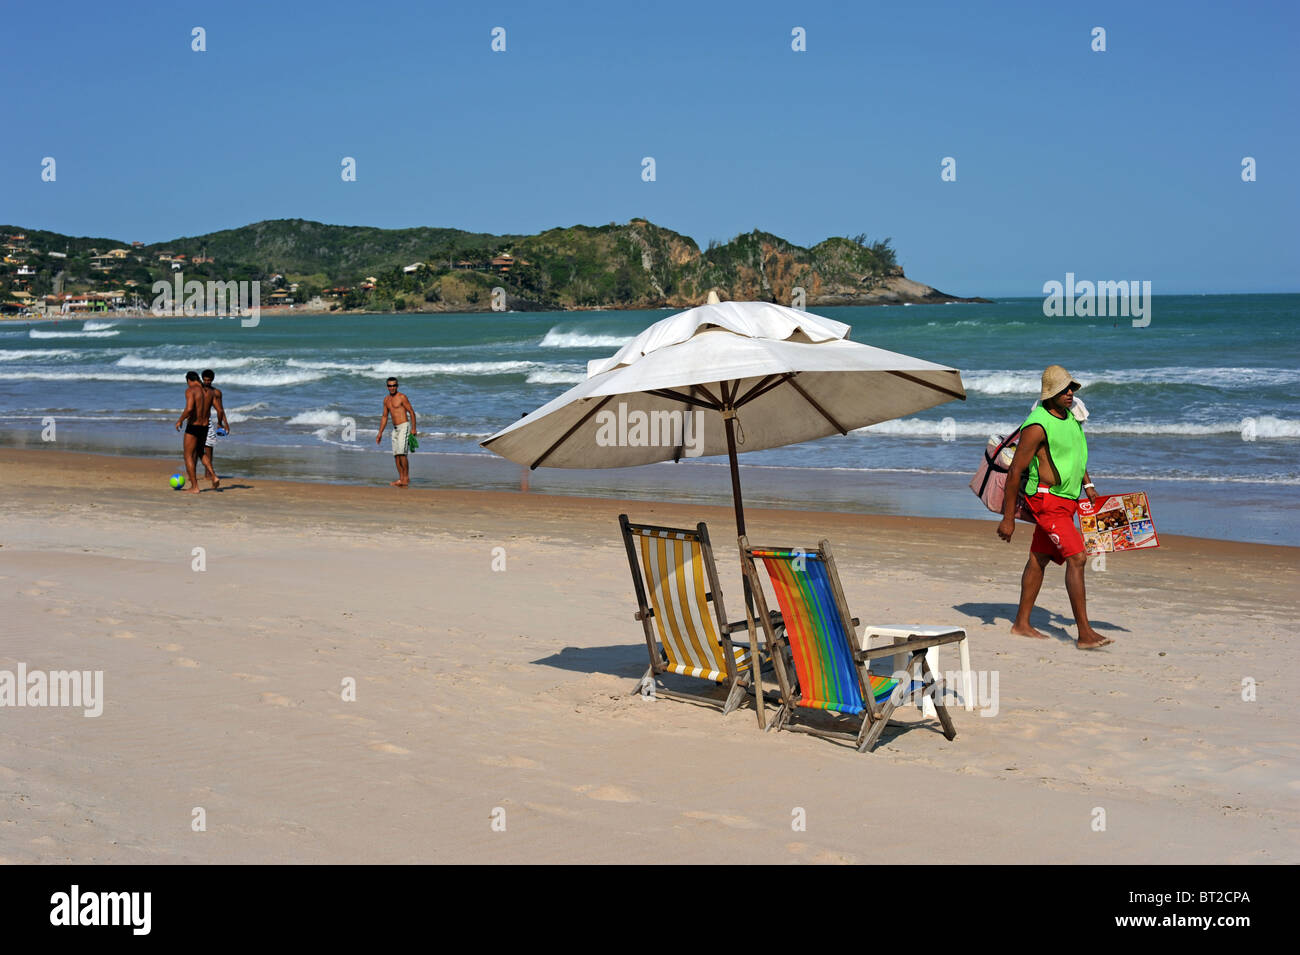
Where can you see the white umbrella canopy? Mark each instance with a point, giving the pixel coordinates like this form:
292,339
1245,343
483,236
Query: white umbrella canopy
763,375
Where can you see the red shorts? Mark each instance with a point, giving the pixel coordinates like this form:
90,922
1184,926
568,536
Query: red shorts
1056,535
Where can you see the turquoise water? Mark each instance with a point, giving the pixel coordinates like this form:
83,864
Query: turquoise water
1201,408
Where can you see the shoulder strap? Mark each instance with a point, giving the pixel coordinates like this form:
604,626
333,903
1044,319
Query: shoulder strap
993,460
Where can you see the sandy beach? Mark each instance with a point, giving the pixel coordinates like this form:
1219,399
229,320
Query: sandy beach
505,695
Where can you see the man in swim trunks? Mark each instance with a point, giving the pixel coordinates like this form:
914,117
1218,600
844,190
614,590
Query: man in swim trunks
208,376
403,427
1052,460
198,409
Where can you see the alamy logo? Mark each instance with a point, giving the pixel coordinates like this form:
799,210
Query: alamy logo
102,908
83,688
1100,300
976,690
221,299
651,429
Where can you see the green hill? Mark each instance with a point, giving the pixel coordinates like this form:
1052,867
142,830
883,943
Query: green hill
632,265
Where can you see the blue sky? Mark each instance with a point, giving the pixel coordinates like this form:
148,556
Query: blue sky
1122,164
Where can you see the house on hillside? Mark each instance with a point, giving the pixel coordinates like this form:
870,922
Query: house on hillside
504,262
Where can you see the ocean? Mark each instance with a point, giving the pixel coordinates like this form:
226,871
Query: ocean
1200,409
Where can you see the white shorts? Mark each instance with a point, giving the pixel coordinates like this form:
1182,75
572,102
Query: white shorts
400,433
212,435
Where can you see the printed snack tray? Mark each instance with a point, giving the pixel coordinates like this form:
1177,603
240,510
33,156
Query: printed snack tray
1117,522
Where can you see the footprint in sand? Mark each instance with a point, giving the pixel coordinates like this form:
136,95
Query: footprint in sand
184,662
829,857
171,647
509,762
734,822
276,699
351,718
549,810
821,856
608,794
123,634
388,748
243,676
59,611
47,583
109,621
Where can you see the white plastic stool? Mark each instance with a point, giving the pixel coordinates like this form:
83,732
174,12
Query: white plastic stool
888,632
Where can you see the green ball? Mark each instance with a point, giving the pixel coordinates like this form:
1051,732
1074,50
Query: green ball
177,481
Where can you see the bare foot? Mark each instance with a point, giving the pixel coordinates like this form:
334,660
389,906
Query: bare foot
216,483
1027,631
1094,642
403,483
396,483
190,490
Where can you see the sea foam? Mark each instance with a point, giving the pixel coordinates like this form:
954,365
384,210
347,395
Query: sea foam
182,364
92,333
558,338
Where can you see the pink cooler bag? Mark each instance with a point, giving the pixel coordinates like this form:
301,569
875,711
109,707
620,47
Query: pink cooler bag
990,481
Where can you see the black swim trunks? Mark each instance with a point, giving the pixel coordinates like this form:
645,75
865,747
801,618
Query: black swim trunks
200,431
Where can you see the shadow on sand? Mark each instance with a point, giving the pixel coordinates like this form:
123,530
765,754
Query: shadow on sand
1044,621
624,660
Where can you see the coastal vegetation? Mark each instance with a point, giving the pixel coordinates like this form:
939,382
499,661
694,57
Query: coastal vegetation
631,265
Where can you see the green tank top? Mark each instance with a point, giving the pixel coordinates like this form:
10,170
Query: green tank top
1067,449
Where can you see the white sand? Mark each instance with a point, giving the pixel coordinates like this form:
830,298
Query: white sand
480,690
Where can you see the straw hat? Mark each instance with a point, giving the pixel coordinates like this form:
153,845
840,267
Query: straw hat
1055,380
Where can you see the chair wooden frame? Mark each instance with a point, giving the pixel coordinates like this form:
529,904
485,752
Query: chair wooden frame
739,680
842,627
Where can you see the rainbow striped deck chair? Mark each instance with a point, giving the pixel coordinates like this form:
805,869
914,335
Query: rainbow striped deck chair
831,670
675,580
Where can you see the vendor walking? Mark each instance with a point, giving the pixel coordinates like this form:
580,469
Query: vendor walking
1052,461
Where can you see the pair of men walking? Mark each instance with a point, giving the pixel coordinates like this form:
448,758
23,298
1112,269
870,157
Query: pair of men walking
202,398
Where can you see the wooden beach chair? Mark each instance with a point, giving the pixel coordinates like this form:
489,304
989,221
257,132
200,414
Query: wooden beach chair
831,670
675,580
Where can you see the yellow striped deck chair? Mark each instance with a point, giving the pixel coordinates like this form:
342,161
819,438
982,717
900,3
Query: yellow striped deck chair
675,580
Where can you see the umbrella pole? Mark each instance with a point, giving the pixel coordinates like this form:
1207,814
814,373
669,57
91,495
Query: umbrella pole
729,420
756,663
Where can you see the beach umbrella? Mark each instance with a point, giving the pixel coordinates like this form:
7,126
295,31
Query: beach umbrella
723,378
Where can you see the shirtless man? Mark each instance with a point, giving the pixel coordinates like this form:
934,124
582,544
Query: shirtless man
1053,457
198,409
208,376
403,427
